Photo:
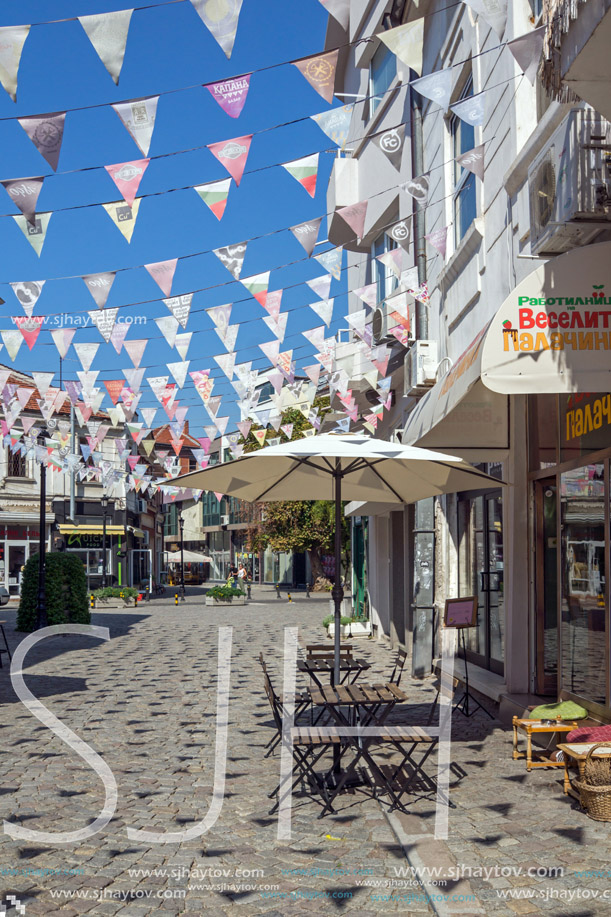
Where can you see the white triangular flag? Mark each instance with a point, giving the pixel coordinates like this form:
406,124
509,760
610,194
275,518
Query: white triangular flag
324,310
107,32
138,116
86,354
12,40
168,327
179,371
180,306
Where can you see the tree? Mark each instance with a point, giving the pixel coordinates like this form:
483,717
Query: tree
65,591
298,525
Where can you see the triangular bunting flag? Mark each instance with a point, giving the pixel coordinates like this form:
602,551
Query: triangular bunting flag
438,240
127,177
418,188
35,233
221,18
99,286
104,321
473,161
162,273
123,216
46,133
215,195
107,32
29,327
119,333
135,351
307,234
271,349
86,354
24,194
391,143
257,286
230,94
43,381
304,171
27,293
331,261
324,310
62,338
401,232
12,340
321,285
436,86
114,387
226,361
354,215
527,49
138,116
494,12
405,42
472,109
168,326
232,154
335,123
313,373
12,40
179,371
232,257
319,71
340,10
180,306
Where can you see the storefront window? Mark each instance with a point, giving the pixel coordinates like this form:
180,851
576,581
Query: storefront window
585,424
583,642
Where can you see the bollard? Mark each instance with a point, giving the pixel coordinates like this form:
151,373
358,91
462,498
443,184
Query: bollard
307,590
248,591
135,601
147,595
92,600
176,598
277,588
289,595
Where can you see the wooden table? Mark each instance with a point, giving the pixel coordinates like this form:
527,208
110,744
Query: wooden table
577,751
325,669
537,727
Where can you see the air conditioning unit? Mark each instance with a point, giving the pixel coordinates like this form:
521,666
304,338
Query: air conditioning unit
569,185
142,506
225,520
382,322
421,362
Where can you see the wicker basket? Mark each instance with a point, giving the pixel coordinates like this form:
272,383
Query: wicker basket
596,800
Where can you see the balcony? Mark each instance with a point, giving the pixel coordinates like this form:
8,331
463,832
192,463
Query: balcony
577,52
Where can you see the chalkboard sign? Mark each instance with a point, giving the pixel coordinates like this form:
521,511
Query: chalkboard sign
460,612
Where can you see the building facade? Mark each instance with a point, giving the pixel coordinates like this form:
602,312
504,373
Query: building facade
533,548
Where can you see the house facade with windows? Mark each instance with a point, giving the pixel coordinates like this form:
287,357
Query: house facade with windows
534,548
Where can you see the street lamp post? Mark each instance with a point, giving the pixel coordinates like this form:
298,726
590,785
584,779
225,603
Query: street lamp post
41,605
181,523
104,504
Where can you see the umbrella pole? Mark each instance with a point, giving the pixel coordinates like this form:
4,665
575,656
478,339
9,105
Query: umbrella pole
337,591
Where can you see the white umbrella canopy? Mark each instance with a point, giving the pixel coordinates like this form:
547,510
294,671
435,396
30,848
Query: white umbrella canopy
370,469
189,557
338,467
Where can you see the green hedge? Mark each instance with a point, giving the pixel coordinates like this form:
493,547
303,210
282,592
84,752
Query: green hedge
116,592
65,591
224,592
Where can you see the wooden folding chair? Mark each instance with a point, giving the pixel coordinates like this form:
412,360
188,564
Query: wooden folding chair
309,744
397,670
277,704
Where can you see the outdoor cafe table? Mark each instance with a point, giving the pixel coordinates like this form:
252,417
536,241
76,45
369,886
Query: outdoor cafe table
319,669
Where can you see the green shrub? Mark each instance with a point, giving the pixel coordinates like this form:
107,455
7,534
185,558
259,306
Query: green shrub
343,620
116,592
223,592
65,591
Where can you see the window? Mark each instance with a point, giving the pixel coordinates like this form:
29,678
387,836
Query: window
16,465
382,71
385,278
464,202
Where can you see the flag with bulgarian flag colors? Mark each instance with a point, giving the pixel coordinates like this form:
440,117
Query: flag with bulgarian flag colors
257,286
215,195
305,171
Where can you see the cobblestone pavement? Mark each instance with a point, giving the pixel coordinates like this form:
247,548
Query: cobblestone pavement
146,702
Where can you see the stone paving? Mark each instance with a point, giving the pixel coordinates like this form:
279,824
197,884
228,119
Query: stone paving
146,702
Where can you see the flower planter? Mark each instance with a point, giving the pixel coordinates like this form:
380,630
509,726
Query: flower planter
114,603
358,629
235,600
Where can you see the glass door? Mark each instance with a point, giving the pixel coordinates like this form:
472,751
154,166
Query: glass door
480,533
17,556
546,587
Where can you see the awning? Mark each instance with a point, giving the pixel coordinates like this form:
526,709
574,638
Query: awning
69,529
551,335
358,508
459,414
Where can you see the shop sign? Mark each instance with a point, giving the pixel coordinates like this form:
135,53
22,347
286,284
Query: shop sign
96,540
553,333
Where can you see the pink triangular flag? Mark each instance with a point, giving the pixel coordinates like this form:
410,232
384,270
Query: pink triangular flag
29,327
354,215
162,273
232,154
127,177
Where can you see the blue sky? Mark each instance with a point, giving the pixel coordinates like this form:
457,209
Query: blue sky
168,48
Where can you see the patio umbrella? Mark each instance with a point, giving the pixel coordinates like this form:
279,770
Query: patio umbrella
190,557
339,467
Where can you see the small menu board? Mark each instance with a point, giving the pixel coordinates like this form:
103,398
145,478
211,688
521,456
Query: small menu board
460,612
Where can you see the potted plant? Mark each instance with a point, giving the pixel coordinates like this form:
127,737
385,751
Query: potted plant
115,596
225,595
349,627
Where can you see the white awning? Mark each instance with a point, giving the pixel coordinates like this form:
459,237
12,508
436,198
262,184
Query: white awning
553,333
368,508
460,414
